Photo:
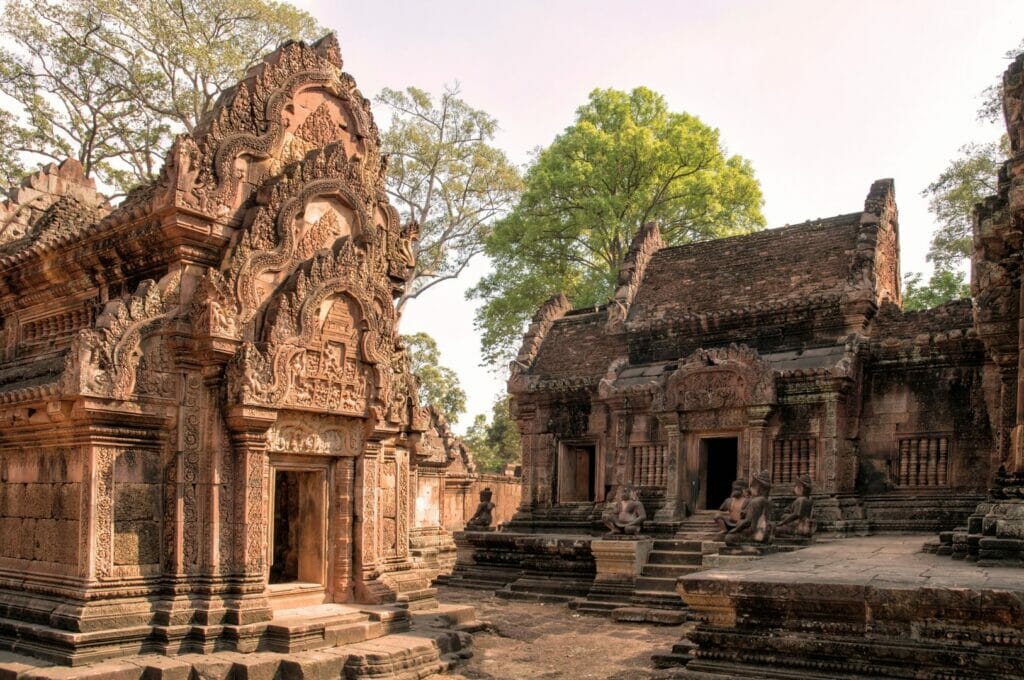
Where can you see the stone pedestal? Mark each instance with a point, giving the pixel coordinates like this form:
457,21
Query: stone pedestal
619,559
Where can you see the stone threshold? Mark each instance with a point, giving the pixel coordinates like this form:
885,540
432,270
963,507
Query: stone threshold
327,641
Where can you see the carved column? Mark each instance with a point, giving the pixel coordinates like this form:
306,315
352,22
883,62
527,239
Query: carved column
676,473
830,462
248,431
101,511
526,421
756,459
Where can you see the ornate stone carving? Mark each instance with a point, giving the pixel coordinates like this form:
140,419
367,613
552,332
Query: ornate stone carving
212,310
190,450
295,101
720,378
103,510
312,436
104,360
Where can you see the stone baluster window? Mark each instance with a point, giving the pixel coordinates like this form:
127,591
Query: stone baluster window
648,465
922,461
792,458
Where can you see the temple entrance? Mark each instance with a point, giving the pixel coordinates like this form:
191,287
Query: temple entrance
719,461
577,469
297,536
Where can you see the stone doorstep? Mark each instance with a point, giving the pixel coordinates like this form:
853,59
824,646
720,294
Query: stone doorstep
446,614
414,654
662,617
72,647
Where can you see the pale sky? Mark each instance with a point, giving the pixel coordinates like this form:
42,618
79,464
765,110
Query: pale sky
823,96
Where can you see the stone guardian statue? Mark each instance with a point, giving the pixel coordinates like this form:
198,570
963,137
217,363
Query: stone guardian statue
482,518
756,525
799,512
627,515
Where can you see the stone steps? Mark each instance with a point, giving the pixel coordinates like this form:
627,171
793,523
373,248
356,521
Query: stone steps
672,571
675,557
657,584
545,589
426,650
680,655
657,599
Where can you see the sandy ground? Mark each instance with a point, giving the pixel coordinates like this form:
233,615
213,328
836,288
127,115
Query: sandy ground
532,640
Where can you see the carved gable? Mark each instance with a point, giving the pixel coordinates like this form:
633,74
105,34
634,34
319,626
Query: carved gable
731,377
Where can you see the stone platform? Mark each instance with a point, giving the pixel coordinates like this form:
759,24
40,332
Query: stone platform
870,607
312,642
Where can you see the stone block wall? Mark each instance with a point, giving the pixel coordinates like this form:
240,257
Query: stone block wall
40,507
459,506
137,512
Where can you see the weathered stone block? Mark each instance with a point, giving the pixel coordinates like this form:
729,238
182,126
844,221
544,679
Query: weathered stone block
136,543
136,502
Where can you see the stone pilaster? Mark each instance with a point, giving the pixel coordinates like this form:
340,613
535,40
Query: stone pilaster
248,430
676,473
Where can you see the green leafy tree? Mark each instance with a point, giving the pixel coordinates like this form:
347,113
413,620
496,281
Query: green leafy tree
445,174
943,286
439,385
495,443
626,160
966,181
110,82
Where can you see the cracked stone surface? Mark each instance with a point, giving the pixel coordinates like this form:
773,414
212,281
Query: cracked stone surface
883,561
533,640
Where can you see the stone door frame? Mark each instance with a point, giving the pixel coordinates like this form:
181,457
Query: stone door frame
286,595
697,461
599,469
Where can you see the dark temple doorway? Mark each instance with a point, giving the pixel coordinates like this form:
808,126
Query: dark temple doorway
297,542
720,456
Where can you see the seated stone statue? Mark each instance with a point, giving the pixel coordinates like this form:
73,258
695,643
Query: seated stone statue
756,525
627,515
483,516
799,511
731,512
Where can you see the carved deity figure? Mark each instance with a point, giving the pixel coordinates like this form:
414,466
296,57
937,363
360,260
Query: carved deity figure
626,515
756,525
731,512
483,516
799,511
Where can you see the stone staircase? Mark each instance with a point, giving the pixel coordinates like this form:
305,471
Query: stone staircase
656,586
653,597
330,625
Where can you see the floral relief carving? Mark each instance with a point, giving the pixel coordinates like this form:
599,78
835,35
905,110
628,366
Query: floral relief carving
103,510
191,437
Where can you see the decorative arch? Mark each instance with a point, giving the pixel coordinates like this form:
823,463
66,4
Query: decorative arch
297,100
728,377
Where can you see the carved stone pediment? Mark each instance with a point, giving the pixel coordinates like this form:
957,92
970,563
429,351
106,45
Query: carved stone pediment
104,361
720,378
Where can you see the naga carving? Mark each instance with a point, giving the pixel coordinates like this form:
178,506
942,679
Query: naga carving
104,360
646,242
550,312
